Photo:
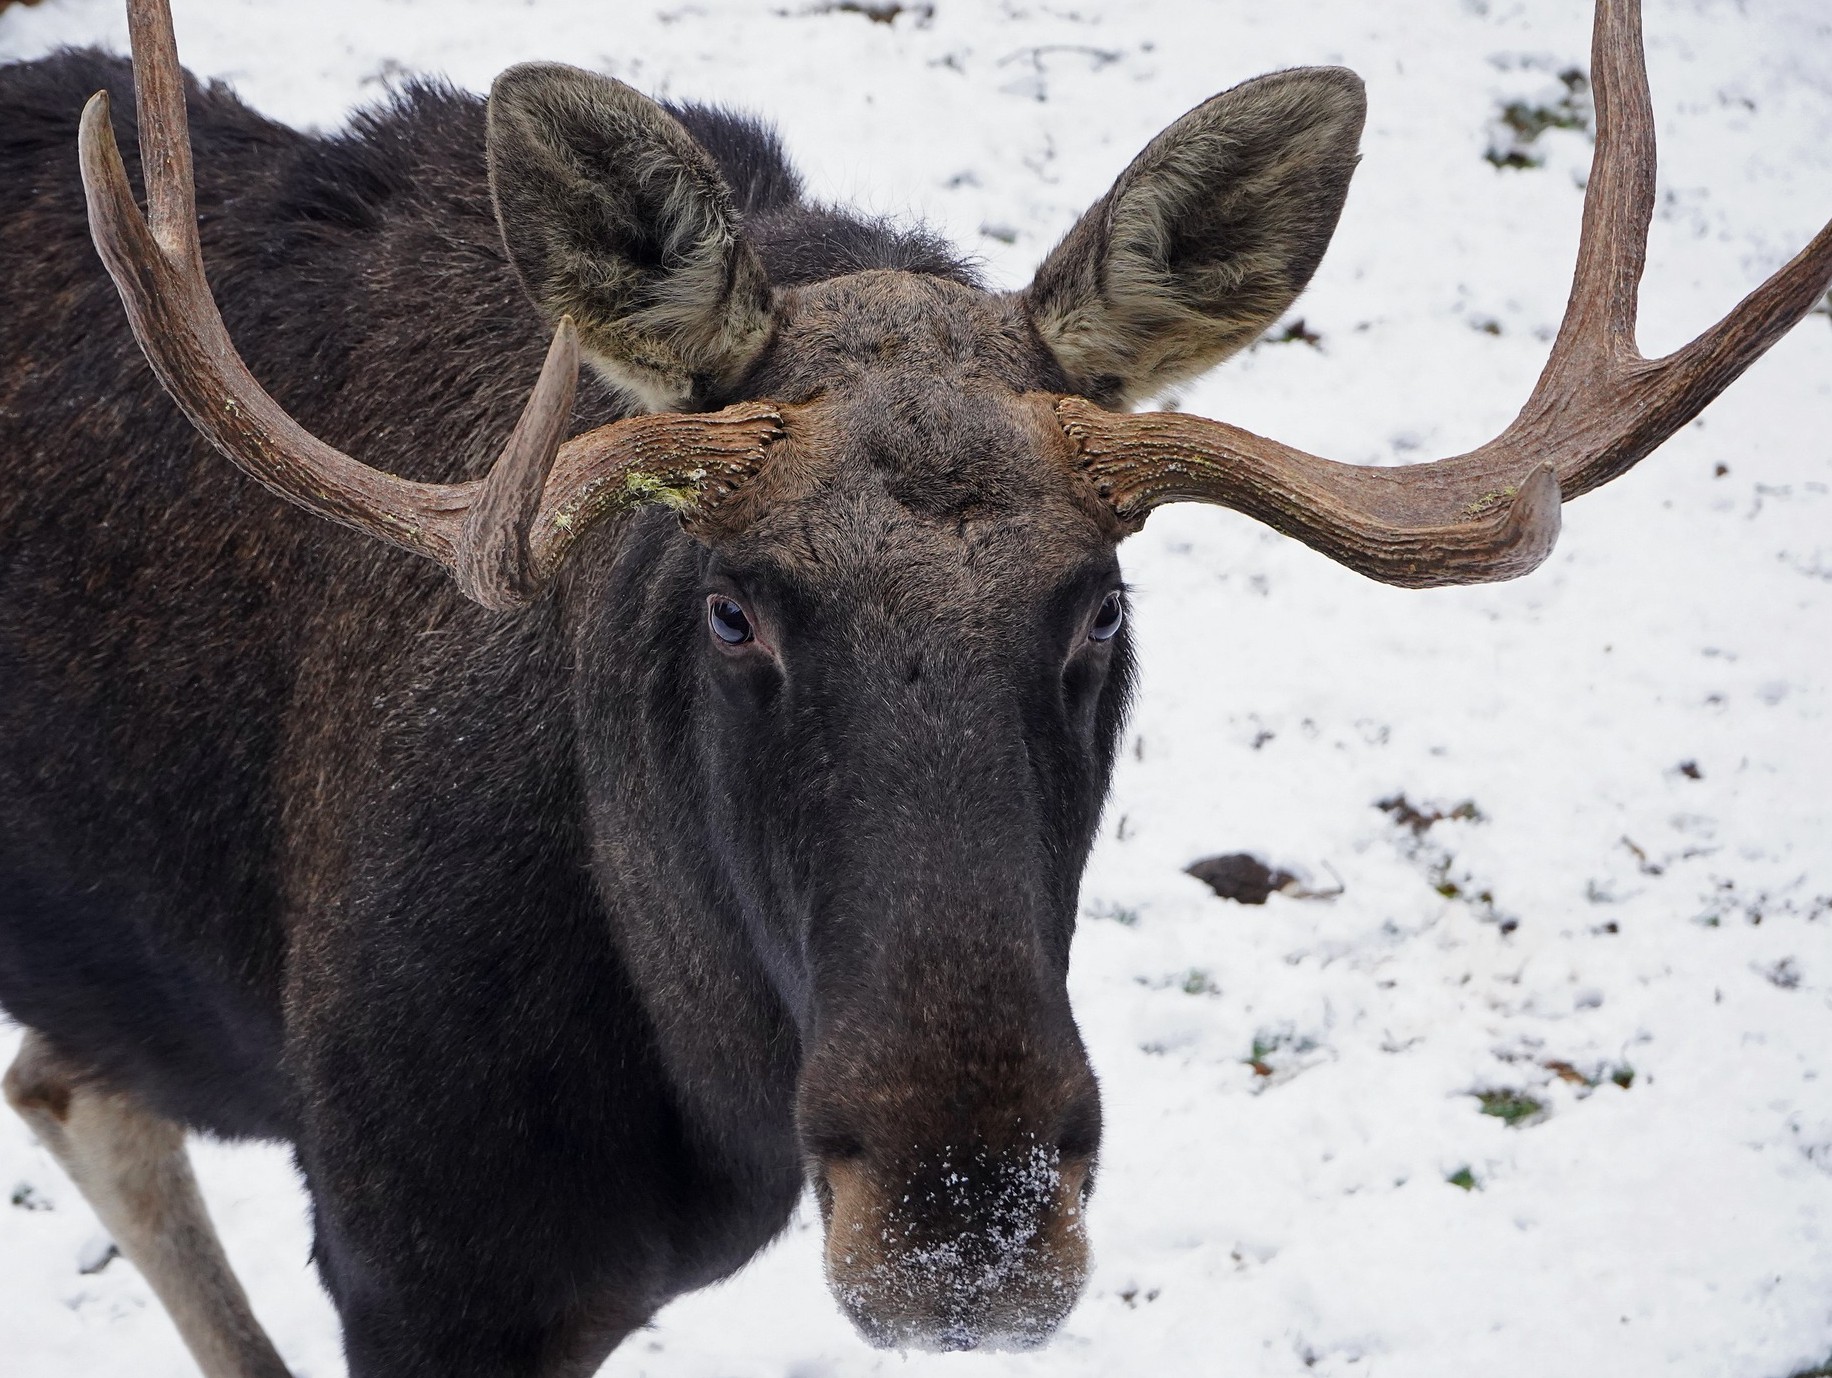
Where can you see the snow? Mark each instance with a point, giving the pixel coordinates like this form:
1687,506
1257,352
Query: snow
1642,725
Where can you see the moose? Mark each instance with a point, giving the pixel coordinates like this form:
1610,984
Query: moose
701,815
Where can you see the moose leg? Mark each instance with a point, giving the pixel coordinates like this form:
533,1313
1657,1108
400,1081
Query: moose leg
132,1168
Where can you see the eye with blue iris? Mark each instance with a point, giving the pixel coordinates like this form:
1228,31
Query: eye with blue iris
728,621
1107,618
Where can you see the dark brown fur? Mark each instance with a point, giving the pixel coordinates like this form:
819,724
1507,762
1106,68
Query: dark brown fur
564,946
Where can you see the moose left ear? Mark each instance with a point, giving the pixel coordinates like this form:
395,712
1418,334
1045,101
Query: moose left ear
1206,238
615,216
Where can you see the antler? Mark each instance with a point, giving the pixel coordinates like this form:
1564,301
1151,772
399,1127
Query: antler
1599,407
503,536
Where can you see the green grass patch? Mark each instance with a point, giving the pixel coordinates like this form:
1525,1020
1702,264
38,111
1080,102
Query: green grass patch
1512,1108
1522,122
1262,1050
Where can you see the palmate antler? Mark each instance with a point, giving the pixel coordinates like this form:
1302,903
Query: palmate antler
1598,408
503,536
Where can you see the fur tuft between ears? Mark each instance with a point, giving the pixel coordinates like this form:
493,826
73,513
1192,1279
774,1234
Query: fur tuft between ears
613,214
1206,239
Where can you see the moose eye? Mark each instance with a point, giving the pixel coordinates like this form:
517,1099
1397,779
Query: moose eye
728,621
1107,620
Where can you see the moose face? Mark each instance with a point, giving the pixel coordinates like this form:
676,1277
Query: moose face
910,641
894,691
916,669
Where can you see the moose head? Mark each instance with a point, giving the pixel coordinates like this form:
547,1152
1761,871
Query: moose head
888,628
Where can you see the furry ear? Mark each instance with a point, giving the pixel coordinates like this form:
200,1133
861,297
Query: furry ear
612,214
1205,239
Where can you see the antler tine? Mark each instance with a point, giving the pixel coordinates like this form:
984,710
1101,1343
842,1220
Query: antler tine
1597,409
159,271
494,561
502,537
1595,358
165,142
1717,357
1599,322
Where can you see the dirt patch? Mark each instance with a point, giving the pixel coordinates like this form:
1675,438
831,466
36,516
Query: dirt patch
1241,877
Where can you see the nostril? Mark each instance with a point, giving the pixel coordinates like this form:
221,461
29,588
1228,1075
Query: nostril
1077,1145
833,1147
1078,1135
831,1131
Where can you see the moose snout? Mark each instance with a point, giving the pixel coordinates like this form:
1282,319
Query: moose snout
969,1235
948,1115
970,1251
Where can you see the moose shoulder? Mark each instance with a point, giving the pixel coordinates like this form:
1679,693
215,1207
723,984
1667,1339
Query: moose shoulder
703,814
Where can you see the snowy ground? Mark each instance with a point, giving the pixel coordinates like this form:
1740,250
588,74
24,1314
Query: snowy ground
1632,926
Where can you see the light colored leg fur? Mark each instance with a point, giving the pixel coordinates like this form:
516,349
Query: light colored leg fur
132,1168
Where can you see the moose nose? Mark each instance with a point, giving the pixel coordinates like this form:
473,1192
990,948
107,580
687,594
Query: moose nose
969,1235
966,1251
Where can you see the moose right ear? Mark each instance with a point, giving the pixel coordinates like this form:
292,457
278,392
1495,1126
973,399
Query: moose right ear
1206,238
612,214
